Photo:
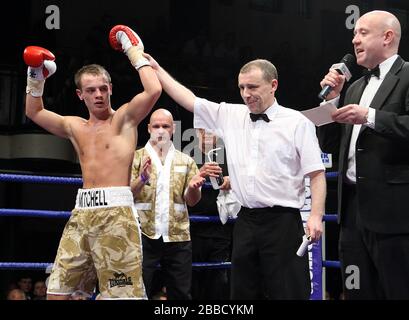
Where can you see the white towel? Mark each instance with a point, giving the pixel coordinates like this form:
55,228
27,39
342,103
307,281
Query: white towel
227,205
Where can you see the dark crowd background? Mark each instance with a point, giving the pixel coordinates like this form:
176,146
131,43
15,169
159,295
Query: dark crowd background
203,44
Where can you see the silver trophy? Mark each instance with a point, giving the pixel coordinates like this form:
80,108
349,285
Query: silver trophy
216,181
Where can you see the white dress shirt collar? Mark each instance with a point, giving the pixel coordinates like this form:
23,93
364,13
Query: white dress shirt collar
385,66
271,111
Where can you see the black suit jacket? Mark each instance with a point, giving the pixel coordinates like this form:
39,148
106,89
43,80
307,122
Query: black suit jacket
382,154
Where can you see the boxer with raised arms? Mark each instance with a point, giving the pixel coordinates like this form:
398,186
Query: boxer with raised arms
101,241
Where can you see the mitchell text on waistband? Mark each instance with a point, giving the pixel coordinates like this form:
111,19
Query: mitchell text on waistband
92,198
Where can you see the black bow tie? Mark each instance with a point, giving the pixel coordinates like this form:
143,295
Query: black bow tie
368,73
259,116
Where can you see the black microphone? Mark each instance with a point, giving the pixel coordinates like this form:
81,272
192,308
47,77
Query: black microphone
342,68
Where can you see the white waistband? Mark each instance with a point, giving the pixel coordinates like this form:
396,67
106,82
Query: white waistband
104,197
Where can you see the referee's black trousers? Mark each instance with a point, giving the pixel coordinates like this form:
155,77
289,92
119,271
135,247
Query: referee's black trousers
264,260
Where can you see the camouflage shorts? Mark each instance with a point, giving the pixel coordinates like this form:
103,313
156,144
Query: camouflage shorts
100,242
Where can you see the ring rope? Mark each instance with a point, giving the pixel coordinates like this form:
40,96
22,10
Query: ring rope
66,214
45,266
6,177
331,264
34,213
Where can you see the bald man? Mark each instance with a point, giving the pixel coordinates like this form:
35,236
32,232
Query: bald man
373,182
164,181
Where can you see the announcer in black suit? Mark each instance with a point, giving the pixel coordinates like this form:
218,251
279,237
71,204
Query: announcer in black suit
373,185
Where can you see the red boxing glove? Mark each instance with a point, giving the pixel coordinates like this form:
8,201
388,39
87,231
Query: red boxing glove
41,66
123,38
35,56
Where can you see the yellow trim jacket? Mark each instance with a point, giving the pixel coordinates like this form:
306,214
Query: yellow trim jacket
182,169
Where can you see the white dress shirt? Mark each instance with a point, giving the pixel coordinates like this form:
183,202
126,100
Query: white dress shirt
162,190
267,161
366,100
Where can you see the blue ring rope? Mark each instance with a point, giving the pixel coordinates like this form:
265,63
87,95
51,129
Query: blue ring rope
66,214
39,179
196,265
34,213
331,264
44,265
6,177
24,265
